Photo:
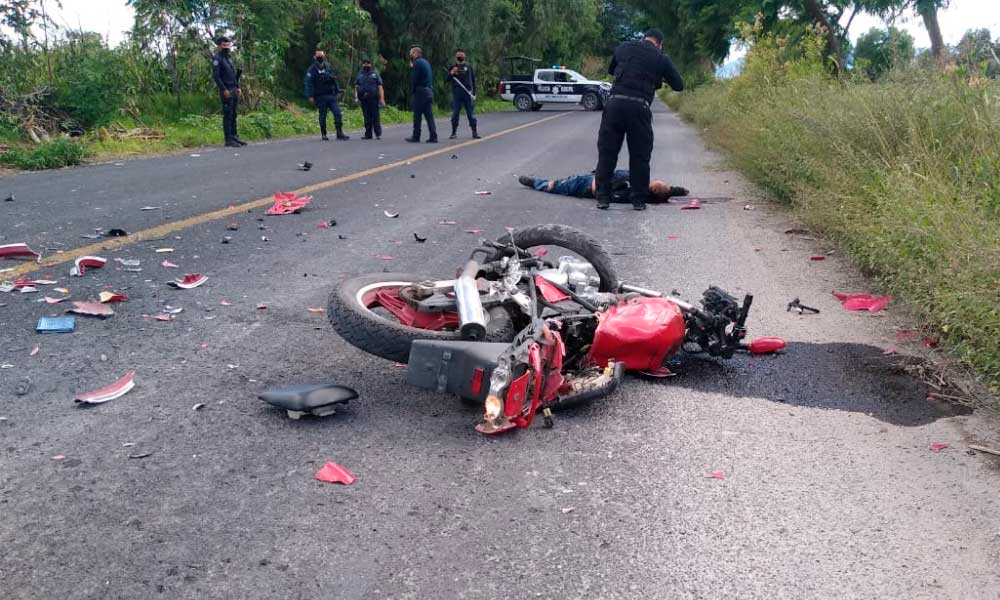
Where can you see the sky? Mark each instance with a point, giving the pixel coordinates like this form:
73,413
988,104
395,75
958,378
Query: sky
111,18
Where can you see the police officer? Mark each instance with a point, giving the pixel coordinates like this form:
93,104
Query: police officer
227,79
322,90
463,93
423,95
370,94
639,68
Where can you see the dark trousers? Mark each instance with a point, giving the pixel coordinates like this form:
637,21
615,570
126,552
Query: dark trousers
373,117
625,119
329,103
423,107
460,100
229,115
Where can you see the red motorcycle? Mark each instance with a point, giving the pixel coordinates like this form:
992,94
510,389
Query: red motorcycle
521,332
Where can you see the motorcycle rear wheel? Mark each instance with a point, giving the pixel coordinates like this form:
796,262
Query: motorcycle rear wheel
571,239
385,337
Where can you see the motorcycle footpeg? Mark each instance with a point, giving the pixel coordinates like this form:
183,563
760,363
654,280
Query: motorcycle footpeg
316,400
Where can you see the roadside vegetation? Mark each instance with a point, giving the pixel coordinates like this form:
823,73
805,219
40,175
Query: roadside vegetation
902,171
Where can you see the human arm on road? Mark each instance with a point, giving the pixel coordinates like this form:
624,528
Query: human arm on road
670,74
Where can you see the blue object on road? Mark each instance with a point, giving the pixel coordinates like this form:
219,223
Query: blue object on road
56,325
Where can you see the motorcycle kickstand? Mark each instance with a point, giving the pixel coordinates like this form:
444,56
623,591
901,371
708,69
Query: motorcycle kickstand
547,421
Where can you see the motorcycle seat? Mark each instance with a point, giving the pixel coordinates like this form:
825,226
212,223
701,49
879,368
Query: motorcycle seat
317,400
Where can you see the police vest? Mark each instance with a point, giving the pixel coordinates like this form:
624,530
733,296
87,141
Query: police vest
324,83
638,69
367,83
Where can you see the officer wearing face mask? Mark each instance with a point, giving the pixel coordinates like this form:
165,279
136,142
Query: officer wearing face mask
322,90
227,79
463,93
369,93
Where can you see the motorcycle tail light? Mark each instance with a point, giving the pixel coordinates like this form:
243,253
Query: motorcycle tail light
492,407
477,380
768,345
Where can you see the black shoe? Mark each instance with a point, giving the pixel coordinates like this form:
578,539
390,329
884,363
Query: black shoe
475,134
366,137
342,136
604,203
232,144
324,138
239,141
525,180
676,190
413,140
639,206
453,136
378,137
432,140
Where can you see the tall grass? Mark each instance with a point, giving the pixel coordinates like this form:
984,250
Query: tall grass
905,174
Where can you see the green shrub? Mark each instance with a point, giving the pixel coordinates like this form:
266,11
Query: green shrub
49,155
905,174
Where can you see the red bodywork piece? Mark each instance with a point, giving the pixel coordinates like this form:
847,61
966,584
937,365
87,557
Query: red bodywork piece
551,293
768,345
641,333
389,299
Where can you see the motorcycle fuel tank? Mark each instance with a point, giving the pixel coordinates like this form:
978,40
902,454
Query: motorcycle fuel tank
640,333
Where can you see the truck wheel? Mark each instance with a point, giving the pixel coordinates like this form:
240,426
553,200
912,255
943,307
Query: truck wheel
591,101
522,102
536,106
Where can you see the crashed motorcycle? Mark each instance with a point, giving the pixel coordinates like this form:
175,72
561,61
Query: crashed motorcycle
536,320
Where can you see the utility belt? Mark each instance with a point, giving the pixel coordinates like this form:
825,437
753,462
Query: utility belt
641,101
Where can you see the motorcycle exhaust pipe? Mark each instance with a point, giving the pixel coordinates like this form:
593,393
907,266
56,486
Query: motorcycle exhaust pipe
471,314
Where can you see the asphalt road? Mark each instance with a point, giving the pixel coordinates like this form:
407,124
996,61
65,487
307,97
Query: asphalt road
830,488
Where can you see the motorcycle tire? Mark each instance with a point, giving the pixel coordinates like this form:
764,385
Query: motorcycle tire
573,240
391,340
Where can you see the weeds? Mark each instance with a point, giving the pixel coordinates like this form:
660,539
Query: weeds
48,155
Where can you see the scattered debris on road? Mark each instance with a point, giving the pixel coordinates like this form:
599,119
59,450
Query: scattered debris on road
111,297
19,250
872,304
389,214
484,193
817,257
189,281
117,233
717,475
92,309
305,166
128,262
198,406
286,203
23,387
150,208
56,325
163,250
9,198
800,308
334,473
984,449
115,390
938,447
140,455
419,239
694,204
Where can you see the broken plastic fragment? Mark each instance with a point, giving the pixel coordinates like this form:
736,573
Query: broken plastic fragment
189,281
18,251
128,262
56,325
86,262
717,475
117,233
389,214
447,222
115,390
316,310
938,447
286,203
694,204
162,250
474,231
419,239
305,166
484,193
110,297
34,351
149,208
863,301
384,257
930,342
169,265
817,257
92,309
164,317
198,406
659,373
334,473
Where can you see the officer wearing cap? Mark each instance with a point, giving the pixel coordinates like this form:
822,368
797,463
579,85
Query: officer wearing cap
370,94
227,79
323,91
639,68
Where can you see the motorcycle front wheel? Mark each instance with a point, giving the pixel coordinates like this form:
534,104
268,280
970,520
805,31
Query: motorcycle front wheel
357,314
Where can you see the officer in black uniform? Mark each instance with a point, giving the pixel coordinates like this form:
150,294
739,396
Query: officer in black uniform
370,94
227,79
323,90
463,93
639,68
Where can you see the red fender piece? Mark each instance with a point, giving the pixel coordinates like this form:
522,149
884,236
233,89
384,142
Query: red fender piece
18,251
768,345
334,473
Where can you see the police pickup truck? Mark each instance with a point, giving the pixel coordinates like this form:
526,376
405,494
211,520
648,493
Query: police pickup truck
553,85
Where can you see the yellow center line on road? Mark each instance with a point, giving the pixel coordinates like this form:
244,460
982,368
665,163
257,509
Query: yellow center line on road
165,229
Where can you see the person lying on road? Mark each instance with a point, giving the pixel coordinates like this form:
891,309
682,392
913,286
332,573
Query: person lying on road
584,186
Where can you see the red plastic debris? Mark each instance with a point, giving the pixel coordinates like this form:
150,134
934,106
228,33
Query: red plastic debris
169,265
551,293
474,231
18,251
111,297
863,301
717,475
286,203
189,281
817,257
384,257
51,300
92,309
87,262
115,390
673,237
938,447
484,193
334,473
930,342
694,204
767,345
164,317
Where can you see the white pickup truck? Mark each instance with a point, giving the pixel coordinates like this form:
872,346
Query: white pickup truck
553,85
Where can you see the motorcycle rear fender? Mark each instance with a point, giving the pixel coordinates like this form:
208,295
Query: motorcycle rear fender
461,368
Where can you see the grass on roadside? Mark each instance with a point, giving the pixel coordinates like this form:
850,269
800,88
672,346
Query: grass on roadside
905,174
167,126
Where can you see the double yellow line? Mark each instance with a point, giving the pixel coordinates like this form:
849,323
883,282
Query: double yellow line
161,231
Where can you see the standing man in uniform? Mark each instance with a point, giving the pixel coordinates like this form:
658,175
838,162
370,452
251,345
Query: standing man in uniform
639,68
227,79
463,93
322,90
423,96
369,93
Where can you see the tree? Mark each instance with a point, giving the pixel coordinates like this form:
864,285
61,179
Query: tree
880,50
928,11
978,53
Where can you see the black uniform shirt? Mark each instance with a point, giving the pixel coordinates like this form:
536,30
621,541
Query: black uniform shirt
224,73
465,75
639,69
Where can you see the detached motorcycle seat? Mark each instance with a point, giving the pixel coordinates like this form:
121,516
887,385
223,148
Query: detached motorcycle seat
317,400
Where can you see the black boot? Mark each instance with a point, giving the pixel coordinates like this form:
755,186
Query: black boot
454,132
603,202
525,180
639,206
340,133
413,139
238,141
475,132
